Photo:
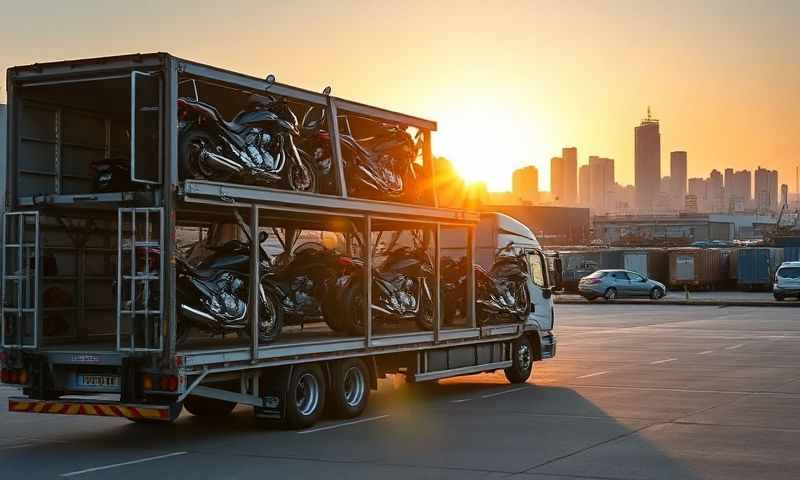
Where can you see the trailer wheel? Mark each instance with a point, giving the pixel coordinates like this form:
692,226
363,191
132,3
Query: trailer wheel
522,361
349,388
305,399
208,407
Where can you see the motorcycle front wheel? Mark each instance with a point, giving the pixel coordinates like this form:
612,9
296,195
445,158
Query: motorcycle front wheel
353,309
270,318
523,301
302,178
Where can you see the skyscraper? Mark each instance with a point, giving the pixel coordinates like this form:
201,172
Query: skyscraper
647,162
569,156
525,183
677,175
766,190
715,191
601,181
585,185
557,179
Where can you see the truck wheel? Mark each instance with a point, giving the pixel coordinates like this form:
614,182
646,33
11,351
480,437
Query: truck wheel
305,399
349,388
522,361
208,407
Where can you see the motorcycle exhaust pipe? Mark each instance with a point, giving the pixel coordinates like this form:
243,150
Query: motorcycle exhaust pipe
217,159
197,315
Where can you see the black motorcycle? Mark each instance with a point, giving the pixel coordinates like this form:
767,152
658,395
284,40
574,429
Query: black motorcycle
401,289
304,283
379,166
503,291
256,147
500,292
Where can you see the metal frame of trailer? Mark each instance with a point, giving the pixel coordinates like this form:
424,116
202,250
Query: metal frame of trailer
172,196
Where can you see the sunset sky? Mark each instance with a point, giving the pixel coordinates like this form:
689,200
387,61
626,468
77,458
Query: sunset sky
510,83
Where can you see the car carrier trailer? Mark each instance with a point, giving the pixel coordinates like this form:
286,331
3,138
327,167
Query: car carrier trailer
77,338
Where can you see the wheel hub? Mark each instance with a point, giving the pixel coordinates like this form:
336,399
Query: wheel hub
307,394
524,356
354,386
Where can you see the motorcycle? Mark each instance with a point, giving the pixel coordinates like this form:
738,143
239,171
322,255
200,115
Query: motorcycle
256,147
503,290
500,292
304,283
379,167
213,296
401,289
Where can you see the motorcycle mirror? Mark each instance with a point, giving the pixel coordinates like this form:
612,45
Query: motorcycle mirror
270,81
326,91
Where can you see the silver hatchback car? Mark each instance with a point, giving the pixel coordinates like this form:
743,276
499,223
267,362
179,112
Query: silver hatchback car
612,284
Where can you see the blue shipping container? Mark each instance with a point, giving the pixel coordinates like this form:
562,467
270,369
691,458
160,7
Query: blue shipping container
791,254
756,266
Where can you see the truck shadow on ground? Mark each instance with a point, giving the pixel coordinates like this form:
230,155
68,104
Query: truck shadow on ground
476,424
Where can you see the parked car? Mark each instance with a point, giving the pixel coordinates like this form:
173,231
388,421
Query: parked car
787,281
612,284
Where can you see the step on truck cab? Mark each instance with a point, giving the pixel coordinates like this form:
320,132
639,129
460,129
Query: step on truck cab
130,287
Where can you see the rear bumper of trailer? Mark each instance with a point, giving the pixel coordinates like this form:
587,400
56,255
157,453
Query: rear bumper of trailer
95,408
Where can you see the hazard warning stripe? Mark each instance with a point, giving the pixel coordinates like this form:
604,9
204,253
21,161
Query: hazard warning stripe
91,409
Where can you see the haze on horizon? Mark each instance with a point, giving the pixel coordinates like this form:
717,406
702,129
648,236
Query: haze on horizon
509,86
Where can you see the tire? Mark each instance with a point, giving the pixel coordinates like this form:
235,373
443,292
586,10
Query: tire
656,293
293,179
349,388
268,330
611,294
208,407
522,361
353,309
305,399
425,315
190,144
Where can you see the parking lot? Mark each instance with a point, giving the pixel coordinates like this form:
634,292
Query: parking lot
635,392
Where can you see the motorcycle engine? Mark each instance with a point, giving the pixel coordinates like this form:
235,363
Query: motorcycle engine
405,300
227,302
303,288
258,148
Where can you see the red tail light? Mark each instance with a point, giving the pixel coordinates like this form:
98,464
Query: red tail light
345,261
169,383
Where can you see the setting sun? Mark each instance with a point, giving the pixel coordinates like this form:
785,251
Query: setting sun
485,141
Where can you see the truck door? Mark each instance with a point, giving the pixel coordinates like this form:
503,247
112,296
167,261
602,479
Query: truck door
538,286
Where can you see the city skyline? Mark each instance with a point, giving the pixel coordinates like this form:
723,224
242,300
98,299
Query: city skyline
733,62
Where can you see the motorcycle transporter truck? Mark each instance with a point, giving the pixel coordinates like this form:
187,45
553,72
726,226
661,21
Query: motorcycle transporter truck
180,235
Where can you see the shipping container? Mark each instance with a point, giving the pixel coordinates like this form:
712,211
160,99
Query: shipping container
791,254
756,267
695,267
576,264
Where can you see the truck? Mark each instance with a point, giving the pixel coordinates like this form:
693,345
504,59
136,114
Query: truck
105,228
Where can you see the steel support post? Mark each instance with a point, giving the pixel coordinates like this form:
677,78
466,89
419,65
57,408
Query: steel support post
437,283
368,278
255,283
472,319
336,147
170,187
430,168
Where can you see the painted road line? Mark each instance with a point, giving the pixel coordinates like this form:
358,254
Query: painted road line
123,464
666,360
339,425
734,347
490,395
594,374
706,352
461,400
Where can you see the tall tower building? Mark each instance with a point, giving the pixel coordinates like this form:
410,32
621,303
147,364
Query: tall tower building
647,162
525,183
585,185
569,156
716,191
601,181
766,190
677,176
557,179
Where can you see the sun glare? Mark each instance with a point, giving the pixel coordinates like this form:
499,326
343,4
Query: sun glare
486,143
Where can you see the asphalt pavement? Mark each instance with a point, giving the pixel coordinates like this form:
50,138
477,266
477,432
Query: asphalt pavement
635,392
